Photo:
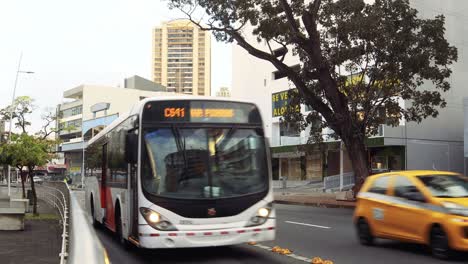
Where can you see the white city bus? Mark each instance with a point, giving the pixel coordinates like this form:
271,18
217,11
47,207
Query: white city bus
182,171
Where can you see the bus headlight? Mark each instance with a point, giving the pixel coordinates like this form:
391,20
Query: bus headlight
156,220
263,212
261,216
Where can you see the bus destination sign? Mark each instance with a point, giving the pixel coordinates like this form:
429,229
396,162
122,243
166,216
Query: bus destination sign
201,111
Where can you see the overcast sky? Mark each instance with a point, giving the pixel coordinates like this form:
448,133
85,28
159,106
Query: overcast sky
72,42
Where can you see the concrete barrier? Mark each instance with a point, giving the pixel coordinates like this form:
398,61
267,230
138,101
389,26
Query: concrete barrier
20,203
12,219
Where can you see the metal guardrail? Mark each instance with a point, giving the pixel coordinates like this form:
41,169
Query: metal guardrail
333,182
56,198
80,243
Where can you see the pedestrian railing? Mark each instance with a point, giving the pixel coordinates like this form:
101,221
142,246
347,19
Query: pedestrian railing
333,182
80,243
58,199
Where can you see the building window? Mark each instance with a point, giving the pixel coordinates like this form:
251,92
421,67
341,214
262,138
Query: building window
379,163
288,130
77,110
75,124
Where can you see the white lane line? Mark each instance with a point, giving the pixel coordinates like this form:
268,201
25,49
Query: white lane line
304,224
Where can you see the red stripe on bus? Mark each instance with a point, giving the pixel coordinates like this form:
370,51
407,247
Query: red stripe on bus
240,231
172,234
154,235
257,230
271,228
224,233
208,233
190,234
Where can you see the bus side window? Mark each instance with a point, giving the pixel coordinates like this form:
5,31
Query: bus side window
117,165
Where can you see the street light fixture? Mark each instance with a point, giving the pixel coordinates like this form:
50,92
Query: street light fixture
12,108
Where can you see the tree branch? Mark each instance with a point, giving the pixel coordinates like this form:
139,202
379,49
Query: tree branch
315,101
290,16
284,46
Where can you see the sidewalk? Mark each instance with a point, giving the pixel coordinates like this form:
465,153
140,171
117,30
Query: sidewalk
39,242
312,198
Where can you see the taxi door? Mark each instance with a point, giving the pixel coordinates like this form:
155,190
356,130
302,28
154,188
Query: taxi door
408,215
374,204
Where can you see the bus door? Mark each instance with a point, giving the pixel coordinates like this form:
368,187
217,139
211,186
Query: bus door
104,177
133,201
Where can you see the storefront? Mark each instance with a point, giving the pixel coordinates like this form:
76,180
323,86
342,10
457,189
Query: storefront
296,164
312,163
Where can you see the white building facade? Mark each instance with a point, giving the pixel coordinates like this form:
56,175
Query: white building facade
91,109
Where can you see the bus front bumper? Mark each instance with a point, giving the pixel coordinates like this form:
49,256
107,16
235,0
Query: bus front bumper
206,238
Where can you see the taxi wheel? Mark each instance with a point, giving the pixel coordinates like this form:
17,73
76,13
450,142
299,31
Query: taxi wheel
439,243
364,233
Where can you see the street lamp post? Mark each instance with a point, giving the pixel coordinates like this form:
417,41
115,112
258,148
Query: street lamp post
12,108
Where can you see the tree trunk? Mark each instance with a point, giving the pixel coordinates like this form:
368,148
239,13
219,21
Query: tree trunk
358,155
22,181
33,188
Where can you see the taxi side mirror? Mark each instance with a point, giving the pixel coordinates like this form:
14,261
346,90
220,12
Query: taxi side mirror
415,196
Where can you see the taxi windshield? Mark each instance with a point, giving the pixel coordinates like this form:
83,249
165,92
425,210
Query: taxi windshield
446,186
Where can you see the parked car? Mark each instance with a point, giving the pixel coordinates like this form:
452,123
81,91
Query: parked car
427,207
38,179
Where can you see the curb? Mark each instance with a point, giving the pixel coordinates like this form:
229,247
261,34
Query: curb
316,204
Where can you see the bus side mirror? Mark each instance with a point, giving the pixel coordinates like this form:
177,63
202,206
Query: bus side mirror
131,148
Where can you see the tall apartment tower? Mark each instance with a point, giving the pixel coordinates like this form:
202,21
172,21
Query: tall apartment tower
182,57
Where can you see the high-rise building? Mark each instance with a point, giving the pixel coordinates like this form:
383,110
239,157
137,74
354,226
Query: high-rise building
182,57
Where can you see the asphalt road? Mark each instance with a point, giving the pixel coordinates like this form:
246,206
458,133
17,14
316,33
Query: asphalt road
307,231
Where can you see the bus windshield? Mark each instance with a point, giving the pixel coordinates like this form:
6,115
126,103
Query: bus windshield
204,163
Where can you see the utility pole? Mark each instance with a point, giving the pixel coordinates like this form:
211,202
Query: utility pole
12,109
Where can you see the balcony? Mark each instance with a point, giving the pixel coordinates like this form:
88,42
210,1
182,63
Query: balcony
288,141
66,132
69,105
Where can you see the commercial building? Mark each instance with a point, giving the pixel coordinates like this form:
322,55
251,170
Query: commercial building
90,109
435,143
182,58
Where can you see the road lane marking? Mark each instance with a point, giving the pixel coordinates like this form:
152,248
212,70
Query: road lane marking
304,224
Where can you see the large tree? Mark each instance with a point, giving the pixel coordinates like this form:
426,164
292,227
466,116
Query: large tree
20,109
26,151
393,54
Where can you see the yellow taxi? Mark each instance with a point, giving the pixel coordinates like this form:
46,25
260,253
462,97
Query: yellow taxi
427,207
